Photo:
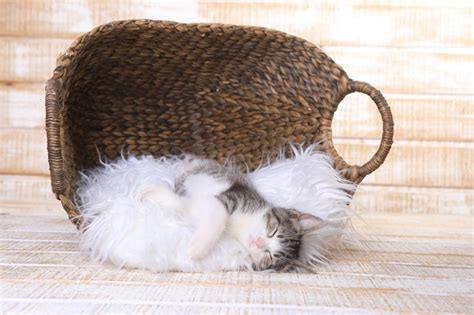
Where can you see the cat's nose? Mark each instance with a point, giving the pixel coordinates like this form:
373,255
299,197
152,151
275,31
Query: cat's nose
258,242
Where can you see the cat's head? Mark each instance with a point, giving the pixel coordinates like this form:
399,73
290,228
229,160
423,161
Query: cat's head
278,247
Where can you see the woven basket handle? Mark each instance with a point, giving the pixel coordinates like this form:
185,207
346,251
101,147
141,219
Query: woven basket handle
357,173
53,124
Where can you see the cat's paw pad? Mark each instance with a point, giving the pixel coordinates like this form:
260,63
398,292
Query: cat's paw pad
197,250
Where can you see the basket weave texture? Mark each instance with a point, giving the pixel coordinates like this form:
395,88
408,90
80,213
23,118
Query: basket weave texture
154,87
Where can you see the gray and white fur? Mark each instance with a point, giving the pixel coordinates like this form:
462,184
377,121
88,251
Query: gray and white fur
222,200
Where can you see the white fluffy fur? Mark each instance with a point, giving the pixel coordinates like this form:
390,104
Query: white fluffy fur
309,183
126,230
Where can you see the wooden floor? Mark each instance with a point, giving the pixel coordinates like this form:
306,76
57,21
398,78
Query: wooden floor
405,263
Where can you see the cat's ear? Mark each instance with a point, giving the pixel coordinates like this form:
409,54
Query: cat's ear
310,222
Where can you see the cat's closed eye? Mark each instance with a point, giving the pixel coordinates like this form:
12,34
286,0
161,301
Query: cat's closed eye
269,255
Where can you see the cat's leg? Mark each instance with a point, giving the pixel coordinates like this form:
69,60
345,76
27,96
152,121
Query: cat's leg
200,185
165,197
211,218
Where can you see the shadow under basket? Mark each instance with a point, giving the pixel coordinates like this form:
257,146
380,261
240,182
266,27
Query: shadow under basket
219,91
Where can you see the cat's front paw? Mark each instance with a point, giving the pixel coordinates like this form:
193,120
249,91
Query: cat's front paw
197,250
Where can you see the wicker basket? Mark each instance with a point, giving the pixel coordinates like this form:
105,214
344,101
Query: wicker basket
143,86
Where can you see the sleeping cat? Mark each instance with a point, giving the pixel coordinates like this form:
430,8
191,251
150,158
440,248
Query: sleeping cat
222,200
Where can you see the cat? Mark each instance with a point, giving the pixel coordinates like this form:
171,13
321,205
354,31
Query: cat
222,200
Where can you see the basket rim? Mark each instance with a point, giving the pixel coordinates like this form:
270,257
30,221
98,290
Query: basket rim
65,58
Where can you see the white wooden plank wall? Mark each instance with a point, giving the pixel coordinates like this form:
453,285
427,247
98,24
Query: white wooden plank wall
419,53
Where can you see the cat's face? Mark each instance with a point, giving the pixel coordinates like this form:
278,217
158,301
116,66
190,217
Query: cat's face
278,246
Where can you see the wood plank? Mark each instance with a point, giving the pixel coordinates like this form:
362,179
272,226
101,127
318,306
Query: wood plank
39,246
23,151
440,71
22,105
89,306
422,298
414,200
414,163
372,23
58,223
318,281
49,236
410,163
406,70
69,19
409,259
18,190
60,306
29,59
417,117
419,247
18,306
31,208
38,263
458,227
354,22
